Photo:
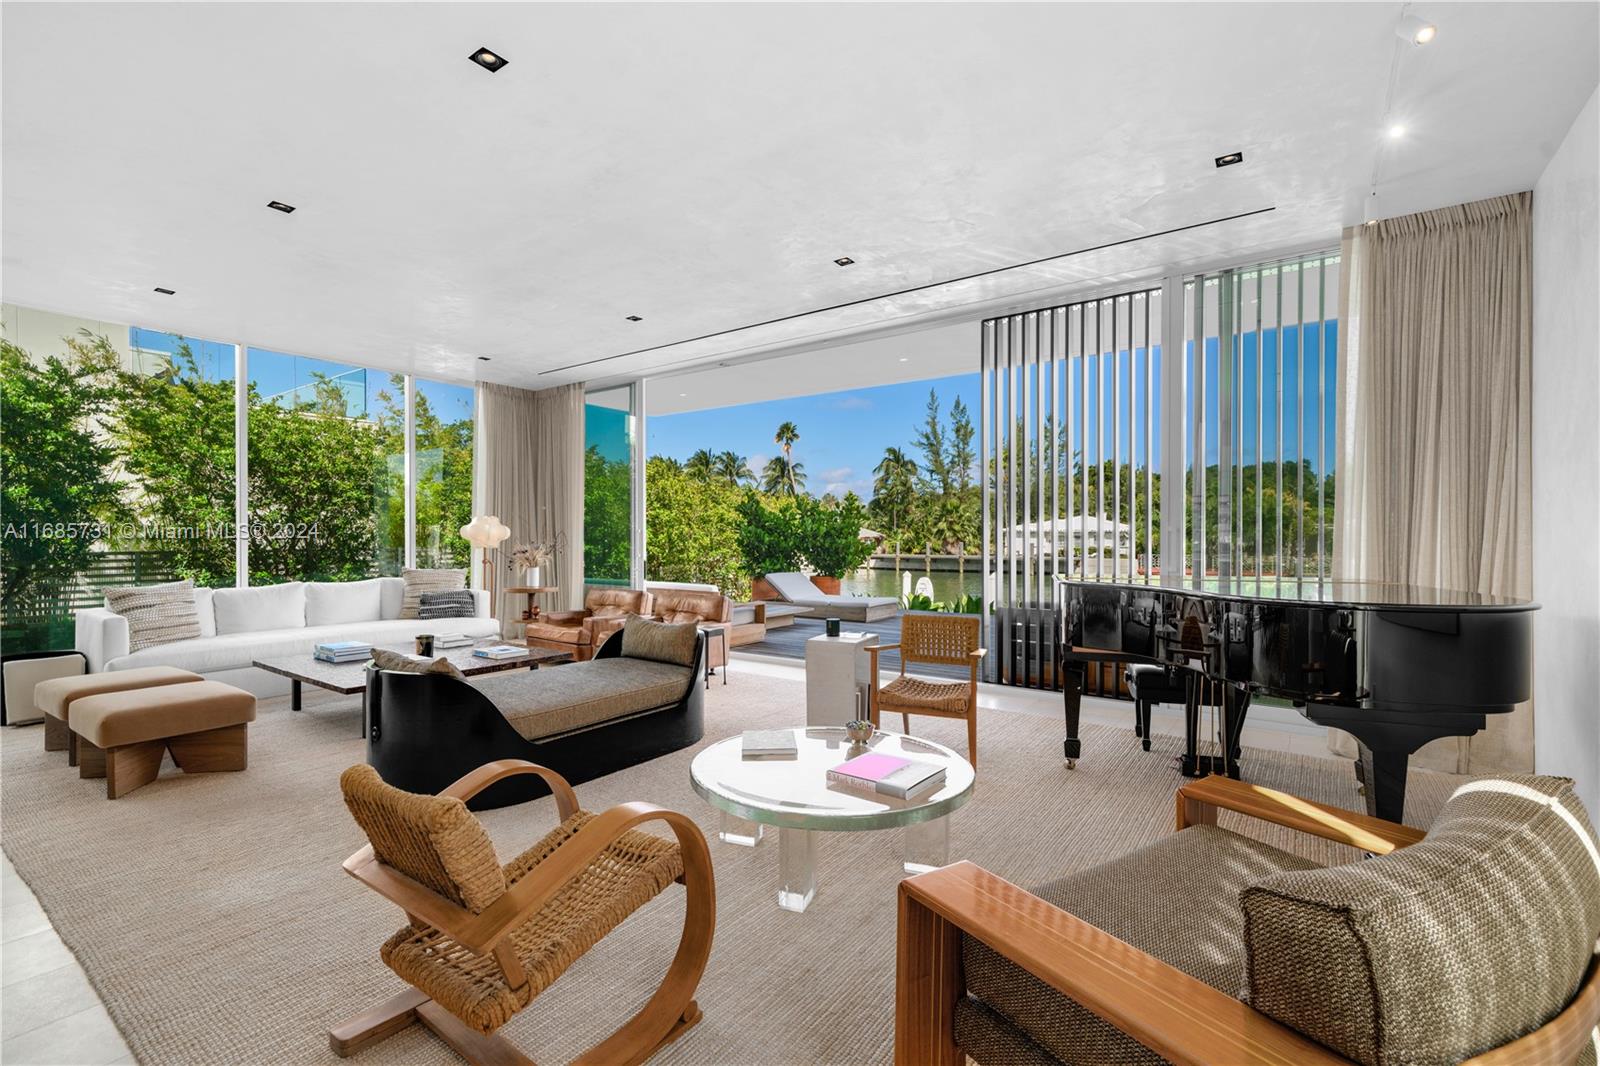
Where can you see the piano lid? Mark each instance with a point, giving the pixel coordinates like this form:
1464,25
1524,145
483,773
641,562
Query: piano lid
1352,594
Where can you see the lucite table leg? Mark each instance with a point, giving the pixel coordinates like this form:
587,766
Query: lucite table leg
736,830
927,845
797,868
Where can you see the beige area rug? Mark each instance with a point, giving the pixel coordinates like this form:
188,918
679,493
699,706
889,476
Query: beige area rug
212,915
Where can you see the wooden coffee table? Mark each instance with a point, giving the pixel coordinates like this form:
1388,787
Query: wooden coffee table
350,678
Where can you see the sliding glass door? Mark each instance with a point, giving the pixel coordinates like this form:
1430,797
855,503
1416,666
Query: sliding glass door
608,486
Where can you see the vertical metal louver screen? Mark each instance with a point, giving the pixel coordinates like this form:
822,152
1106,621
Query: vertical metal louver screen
1260,379
1070,435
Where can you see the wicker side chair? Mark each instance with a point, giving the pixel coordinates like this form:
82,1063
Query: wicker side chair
944,639
483,939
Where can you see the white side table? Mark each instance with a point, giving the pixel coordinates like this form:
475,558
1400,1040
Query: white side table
838,675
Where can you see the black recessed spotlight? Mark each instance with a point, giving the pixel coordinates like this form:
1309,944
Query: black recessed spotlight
166,292
490,61
1230,159
635,318
843,260
483,358
279,205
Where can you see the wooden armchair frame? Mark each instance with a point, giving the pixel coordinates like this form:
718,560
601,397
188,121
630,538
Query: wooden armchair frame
1183,1019
669,1012
911,653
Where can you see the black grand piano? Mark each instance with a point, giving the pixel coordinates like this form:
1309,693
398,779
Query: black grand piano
1395,666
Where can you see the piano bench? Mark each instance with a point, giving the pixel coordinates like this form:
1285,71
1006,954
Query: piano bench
1149,685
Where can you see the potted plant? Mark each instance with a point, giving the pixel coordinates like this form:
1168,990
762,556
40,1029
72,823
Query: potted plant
531,559
830,539
768,542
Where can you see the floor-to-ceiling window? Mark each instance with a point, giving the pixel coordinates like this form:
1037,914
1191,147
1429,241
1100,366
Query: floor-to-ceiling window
608,486
443,419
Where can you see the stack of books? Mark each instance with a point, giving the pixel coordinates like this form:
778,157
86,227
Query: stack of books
768,744
343,651
452,640
499,651
888,775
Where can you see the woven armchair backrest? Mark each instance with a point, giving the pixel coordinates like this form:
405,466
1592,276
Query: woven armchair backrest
434,840
939,638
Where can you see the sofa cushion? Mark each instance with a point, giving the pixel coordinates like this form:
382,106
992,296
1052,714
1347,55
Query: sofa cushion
420,581
234,651
331,603
156,614
1442,950
258,609
384,659
459,603
391,597
660,642
539,703
132,716
204,610
1176,899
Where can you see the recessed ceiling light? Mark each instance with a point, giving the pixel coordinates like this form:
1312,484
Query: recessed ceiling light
1396,132
681,395
635,318
905,358
165,292
843,260
488,60
1230,159
483,358
1417,31
279,205
1372,222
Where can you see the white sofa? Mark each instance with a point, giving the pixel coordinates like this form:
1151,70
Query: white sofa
269,621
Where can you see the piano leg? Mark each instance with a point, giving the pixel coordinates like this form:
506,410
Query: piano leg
1074,675
1235,705
1387,739
1384,774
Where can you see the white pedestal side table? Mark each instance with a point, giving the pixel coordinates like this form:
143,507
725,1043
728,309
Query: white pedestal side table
838,674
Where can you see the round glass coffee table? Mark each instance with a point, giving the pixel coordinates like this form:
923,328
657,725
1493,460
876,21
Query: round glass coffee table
793,793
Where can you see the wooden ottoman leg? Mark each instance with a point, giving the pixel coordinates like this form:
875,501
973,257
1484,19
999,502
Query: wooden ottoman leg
72,748
131,766
57,736
212,750
90,760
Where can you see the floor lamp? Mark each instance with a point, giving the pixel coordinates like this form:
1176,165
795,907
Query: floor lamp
485,532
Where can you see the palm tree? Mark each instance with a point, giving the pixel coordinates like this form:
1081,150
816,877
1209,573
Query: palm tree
895,485
782,478
700,465
787,434
732,468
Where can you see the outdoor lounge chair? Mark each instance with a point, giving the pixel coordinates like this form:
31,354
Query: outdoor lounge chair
798,590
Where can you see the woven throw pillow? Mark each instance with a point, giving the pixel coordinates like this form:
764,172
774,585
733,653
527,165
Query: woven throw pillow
384,659
1439,951
457,604
420,581
660,642
156,614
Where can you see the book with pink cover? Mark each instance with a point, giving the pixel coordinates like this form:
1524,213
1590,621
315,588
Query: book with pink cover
870,767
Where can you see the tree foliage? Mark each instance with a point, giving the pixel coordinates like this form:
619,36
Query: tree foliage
693,530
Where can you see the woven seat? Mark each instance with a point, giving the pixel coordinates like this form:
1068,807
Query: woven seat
484,939
945,639
915,692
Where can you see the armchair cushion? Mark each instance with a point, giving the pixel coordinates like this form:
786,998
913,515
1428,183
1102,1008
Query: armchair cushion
692,605
555,631
1439,951
1176,899
615,603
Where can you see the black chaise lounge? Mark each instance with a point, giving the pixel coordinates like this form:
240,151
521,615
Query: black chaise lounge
427,730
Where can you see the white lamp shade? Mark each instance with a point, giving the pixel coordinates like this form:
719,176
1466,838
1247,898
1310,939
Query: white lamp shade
485,531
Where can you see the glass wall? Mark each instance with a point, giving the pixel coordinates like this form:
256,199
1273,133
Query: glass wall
444,416
608,487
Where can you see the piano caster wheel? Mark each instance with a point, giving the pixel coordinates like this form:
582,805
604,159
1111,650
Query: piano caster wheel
1072,764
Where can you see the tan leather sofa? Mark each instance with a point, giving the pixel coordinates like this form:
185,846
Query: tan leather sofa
582,632
708,610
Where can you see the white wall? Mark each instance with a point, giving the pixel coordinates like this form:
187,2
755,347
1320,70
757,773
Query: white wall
1566,459
39,333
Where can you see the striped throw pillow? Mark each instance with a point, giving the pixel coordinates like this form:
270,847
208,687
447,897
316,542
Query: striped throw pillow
156,614
420,581
457,604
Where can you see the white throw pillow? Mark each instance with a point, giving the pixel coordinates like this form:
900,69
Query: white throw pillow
202,607
256,610
331,603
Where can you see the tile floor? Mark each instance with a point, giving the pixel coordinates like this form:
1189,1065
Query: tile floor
51,1016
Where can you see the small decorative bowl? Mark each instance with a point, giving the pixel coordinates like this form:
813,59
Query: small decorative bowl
859,730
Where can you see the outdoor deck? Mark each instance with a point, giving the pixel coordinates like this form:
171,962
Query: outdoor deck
789,642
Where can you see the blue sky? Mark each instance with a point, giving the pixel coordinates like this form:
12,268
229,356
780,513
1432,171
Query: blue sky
843,434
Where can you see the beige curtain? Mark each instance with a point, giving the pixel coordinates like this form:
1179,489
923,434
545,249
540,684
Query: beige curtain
530,451
1434,417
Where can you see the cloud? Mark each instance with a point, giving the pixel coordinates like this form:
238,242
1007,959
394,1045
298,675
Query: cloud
851,402
838,473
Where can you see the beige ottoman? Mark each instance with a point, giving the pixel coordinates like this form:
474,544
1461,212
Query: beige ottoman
56,696
122,736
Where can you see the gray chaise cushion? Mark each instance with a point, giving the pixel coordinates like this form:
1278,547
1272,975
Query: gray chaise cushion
539,703
1176,899
1442,950
662,642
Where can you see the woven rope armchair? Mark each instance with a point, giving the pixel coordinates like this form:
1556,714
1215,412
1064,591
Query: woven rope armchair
483,939
944,639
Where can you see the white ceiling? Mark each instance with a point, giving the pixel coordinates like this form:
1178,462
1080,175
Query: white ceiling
701,165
